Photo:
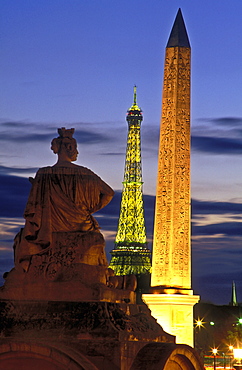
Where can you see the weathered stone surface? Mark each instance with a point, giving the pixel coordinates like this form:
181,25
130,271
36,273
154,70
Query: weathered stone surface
167,356
108,335
171,246
41,319
65,290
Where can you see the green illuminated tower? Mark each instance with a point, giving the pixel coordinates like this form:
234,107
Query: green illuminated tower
130,255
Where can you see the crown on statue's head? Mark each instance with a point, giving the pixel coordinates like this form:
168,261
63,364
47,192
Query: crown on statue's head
63,132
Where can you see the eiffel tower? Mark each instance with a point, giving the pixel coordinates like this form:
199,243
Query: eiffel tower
131,255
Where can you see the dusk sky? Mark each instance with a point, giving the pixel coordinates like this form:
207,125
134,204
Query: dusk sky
74,64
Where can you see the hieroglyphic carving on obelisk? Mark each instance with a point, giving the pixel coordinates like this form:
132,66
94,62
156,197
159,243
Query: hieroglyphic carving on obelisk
171,248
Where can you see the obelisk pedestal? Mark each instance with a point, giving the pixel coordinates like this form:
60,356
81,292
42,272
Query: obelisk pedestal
174,312
172,300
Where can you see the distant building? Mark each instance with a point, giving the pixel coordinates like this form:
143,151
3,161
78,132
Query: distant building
233,301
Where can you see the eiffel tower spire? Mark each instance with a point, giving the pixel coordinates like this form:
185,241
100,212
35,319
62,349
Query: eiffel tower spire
130,255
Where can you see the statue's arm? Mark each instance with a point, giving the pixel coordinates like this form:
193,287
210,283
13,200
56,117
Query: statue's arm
105,196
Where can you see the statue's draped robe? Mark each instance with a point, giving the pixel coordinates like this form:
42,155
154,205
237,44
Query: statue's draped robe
62,199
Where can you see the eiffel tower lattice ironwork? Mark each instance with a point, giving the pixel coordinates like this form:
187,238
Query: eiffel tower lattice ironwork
131,255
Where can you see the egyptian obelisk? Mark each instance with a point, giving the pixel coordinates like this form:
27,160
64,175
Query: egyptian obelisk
172,302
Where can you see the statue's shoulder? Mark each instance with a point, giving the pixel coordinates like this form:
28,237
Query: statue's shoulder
70,170
84,170
44,170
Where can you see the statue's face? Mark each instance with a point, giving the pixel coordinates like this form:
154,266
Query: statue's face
72,152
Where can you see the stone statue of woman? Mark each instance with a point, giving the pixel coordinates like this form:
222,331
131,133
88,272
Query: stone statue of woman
60,206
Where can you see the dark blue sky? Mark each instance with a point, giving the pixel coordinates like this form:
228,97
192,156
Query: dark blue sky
74,63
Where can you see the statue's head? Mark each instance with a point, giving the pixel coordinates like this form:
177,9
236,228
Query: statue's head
65,145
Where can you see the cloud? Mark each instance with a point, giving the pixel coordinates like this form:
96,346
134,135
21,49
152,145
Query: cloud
87,137
9,170
9,227
23,133
223,228
209,207
219,136
216,145
150,137
229,122
25,138
14,192
216,218
6,264
112,154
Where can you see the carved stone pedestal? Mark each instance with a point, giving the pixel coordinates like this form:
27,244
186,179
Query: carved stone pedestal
87,335
174,312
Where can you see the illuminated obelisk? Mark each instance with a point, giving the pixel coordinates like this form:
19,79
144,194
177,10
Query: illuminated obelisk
172,300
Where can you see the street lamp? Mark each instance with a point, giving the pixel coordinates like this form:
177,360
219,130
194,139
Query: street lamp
199,323
230,356
214,350
238,358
